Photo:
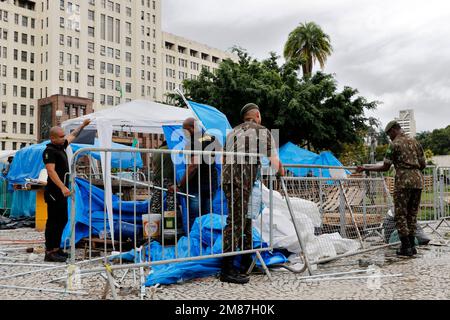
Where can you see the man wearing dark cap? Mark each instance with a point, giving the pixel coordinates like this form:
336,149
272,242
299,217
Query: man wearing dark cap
408,158
239,176
200,178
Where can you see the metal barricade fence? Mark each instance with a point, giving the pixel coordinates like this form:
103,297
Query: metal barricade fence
443,196
148,190
335,215
429,204
5,198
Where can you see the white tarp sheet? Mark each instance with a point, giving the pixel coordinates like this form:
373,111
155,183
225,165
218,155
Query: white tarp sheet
307,217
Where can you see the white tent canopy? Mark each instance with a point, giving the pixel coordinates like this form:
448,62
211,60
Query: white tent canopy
4,154
135,116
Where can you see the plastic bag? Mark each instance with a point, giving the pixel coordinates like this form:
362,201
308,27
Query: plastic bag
255,204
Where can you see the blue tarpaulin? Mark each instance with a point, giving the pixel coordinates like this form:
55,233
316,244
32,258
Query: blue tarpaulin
215,122
128,159
122,211
176,141
211,243
292,154
28,163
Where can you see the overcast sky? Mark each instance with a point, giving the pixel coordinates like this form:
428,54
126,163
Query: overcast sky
396,52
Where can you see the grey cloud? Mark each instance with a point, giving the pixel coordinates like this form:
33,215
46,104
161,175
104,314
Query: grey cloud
397,52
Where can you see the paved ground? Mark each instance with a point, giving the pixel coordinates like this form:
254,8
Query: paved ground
427,276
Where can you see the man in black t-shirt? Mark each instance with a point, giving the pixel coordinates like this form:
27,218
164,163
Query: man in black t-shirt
57,191
200,180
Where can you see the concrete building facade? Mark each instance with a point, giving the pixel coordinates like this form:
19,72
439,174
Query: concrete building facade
407,122
109,51
184,59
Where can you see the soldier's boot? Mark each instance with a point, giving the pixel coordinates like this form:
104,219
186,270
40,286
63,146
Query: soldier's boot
412,241
230,274
405,248
246,262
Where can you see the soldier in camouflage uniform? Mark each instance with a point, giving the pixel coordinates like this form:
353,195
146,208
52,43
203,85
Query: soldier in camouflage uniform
239,176
408,158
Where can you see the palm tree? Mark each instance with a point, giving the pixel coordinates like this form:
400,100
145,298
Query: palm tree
307,44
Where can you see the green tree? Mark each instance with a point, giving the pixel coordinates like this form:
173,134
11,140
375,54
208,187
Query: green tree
438,141
307,44
354,154
429,156
309,111
381,152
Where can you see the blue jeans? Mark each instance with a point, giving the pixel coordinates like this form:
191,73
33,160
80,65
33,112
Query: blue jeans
194,206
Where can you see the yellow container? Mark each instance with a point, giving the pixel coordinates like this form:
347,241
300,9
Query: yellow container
41,210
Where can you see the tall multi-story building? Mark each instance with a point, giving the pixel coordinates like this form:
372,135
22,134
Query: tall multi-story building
407,122
109,51
185,59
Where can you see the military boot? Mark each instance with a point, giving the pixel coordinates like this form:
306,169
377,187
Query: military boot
405,249
230,274
412,241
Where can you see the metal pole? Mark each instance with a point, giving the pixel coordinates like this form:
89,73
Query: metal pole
297,231
351,214
42,289
352,278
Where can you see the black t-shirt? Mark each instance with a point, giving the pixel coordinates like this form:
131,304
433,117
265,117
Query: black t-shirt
57,155
205,143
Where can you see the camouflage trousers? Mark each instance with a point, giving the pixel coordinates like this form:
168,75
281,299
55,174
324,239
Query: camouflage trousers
155,202
406,202
238,231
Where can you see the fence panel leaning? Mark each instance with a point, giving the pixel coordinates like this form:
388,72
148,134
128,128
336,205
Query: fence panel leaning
154,210
336,214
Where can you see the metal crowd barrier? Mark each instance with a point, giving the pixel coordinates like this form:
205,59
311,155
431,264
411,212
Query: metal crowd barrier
165,226
443,181
336,215
355,207
5,197
429,205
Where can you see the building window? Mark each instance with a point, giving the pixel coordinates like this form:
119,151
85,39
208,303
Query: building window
91,31
91,81
91,15
90,64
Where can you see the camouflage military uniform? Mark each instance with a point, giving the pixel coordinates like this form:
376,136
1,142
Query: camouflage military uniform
239,175
163,170
407,156
155,202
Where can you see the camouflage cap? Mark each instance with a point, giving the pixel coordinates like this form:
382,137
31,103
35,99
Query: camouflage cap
247,108
390,125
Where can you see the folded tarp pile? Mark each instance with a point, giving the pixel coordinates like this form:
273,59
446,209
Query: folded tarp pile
205,238
88,197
